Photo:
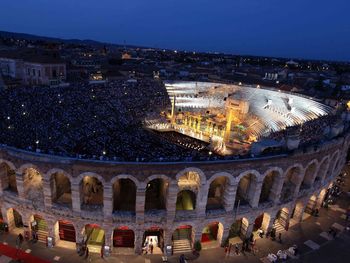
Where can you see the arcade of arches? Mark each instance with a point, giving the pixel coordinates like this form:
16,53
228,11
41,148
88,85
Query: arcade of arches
191,191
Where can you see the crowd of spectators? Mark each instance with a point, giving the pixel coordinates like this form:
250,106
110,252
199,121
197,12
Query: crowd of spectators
87,121
309,132
105,121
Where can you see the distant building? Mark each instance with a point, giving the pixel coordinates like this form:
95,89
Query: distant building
33,68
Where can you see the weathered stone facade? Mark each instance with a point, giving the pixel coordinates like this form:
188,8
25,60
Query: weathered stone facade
310,172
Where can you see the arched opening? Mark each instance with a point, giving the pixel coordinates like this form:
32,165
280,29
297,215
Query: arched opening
123,237
282,220
40,228
212,235
309,175
91,193
246,190
66,231
216,193
322,171
290,183
262,222
124,195
8,178
14,219
94,237
186,200
156,194
33,187
269,187
189,181
61,189
182,239
153,240
238,231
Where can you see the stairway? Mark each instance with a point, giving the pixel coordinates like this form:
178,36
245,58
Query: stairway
181,241
42,230
279,228
181,246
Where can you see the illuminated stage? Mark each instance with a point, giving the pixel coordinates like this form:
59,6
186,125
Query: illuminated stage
231,117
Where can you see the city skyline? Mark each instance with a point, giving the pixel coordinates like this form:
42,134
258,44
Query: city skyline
292,30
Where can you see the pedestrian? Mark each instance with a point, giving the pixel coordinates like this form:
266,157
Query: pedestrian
280,237
151,248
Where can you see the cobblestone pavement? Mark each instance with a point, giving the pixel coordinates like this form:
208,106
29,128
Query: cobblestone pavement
310,236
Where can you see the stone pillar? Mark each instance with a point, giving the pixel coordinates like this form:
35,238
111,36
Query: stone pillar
138,241
171,202
140,204
76,197
4,180
168,235
230,196
320,199
275,192
20,185
269,226
109,237
298,213
201,201
197,234
47,193
250,229
107,201
225,235
254,202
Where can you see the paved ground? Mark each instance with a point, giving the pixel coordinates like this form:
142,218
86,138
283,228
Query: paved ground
311,237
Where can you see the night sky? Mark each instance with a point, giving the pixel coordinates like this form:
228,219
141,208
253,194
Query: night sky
297,28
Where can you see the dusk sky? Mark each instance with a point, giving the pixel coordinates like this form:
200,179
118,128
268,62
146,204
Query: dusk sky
298,28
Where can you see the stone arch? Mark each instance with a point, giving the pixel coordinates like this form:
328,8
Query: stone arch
60,185
247,187
212,233
14,218
262,221
8,180
65,230
33,186
10,164
94,235
81,176
24,167
292,180
322,170
218,193
229,177
130,177
199,172
309,174
271,180
124,193
123,236
91,187
334,161
156,192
